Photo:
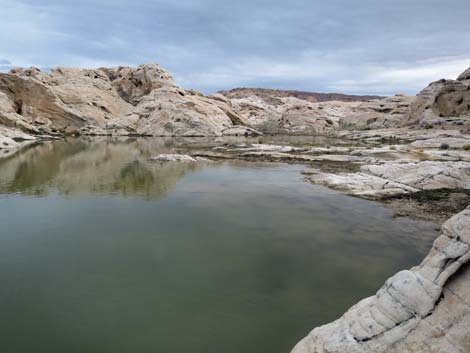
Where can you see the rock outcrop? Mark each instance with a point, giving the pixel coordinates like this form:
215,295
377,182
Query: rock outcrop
397,178
290,115
424,309
146,101
122,101
389,112
60,100
444,102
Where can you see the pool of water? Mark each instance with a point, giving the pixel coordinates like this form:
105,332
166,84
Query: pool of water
102,250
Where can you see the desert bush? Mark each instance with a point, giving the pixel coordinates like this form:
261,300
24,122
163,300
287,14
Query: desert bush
444,146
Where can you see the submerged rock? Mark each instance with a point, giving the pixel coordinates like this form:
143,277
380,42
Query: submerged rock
177,158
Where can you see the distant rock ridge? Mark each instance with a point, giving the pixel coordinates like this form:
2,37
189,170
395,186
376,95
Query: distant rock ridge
312,97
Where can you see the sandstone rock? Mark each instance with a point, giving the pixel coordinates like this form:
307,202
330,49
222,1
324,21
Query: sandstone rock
259,147
390,179
447,142
378,114
239,130
418,310
133,84
464,76
312,97
64,99
171,111
442,99
289,114
6,142
177,158
398,134
119,101
285,114
12,140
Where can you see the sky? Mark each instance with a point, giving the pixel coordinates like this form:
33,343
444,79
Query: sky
348,46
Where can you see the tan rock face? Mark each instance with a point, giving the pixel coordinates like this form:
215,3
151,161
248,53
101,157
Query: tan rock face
282,114
443,102
143,100
133,84
171,111
290,114
377,114
63,99
146,101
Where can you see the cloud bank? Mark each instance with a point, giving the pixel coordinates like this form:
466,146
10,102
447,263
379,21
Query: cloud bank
348,46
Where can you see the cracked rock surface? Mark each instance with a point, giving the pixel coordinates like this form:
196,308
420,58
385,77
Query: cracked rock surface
396,178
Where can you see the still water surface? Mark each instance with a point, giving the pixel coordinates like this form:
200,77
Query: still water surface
104,251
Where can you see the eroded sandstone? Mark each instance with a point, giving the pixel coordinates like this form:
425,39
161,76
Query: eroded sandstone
409,313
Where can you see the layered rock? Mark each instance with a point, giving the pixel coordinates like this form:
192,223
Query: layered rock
417,310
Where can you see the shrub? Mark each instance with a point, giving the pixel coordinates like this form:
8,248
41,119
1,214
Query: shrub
444,146
466,147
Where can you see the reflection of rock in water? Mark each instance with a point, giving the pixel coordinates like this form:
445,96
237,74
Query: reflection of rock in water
98,165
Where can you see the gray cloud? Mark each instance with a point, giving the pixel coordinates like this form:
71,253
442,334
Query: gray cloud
341,45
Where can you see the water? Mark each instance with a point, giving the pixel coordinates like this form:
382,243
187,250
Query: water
103,251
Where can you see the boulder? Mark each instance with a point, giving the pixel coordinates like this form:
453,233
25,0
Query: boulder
442,102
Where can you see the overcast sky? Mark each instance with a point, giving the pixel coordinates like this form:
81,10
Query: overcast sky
350,46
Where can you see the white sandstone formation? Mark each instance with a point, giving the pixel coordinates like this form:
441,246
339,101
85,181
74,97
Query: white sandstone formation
397,178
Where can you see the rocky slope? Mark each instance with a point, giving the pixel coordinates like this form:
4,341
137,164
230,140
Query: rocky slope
146,101
119,101
444,102
290,115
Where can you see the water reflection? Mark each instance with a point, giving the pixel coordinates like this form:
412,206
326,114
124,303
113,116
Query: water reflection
98,165
121,254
